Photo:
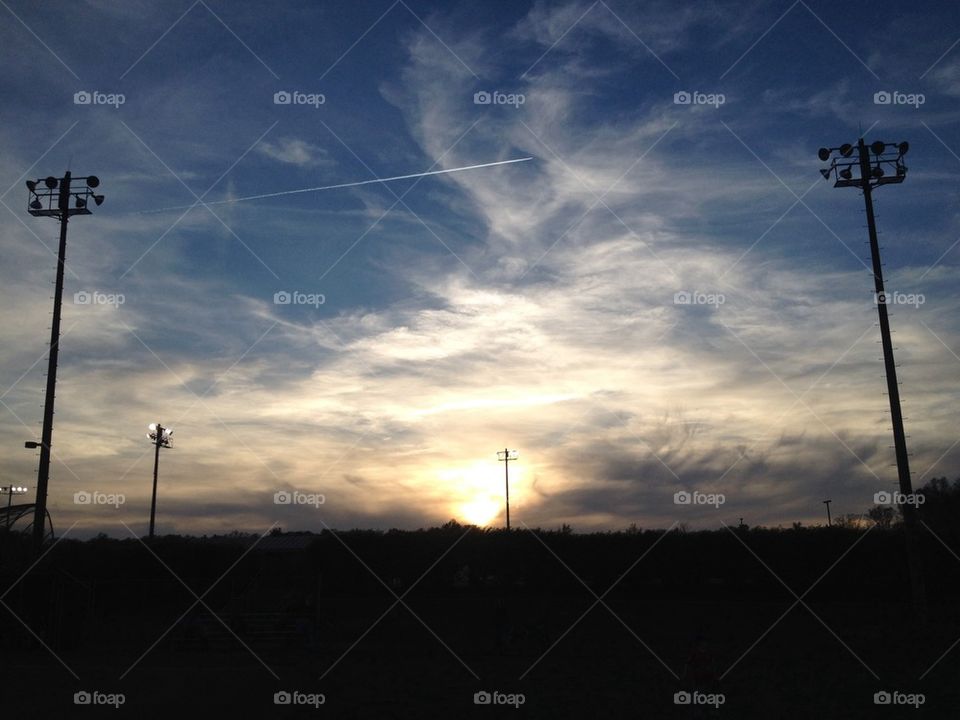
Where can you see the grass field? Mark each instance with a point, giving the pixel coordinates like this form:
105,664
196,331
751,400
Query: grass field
827,665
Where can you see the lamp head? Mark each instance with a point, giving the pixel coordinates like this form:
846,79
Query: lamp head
823,154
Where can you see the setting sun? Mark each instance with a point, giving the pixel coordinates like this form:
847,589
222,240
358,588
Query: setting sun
477,491
481,511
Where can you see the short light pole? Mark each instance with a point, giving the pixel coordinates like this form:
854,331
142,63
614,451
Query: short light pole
161,438
505,456
827,503
12,490
55,197
869,167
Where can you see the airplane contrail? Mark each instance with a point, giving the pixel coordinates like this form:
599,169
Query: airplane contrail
341,185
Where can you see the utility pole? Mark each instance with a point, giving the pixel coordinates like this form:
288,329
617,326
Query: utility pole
886,167
161,438
827,503
54,200
505,456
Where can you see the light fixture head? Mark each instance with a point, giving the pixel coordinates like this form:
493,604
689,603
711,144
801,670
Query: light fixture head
51,182
98,199
878,147
846,174
36,205
81,203
878,172
903,147
846,149
823,154
825,172
93,181
32,185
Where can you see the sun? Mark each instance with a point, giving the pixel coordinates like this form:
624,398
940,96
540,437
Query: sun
475,491
480,511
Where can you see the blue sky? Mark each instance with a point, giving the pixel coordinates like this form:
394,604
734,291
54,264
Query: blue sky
529,305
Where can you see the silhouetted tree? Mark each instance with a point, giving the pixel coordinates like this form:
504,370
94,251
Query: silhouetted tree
882,515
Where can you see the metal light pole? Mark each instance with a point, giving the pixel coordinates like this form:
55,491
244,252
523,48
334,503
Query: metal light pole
869,167
11,490
54,199
505,456
827,503
161,438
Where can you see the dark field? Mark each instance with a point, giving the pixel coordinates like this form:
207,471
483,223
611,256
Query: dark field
519,622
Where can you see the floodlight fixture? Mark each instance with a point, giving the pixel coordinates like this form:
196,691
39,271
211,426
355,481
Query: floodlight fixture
877,166
59,198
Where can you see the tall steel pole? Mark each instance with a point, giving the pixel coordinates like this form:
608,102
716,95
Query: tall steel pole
506,478
53,200
156,463
889,168
43,473
893,392
827,503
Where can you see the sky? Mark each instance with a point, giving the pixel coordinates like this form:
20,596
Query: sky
536,306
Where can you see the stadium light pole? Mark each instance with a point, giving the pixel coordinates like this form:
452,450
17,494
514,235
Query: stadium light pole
12,490
869,167
161,438
505,456
57,198
827,503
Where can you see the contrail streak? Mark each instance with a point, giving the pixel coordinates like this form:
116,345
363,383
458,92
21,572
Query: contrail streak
342,185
